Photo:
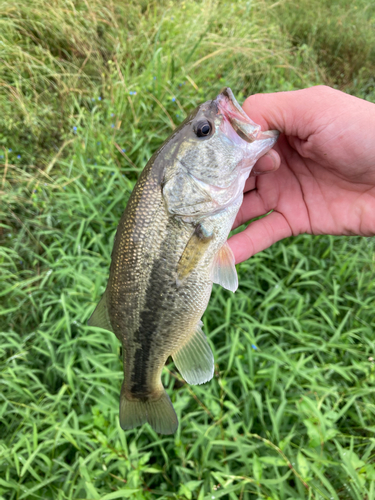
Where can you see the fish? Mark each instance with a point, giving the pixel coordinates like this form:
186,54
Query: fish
169,249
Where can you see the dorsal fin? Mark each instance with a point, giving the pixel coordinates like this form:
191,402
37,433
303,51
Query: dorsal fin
100,316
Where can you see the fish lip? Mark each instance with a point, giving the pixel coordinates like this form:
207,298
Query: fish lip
243,125
229,107
268,134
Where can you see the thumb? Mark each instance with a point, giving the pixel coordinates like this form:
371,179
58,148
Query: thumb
293,113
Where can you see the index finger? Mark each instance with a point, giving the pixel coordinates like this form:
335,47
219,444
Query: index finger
259,235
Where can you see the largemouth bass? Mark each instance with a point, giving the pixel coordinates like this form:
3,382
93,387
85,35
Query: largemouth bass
170,247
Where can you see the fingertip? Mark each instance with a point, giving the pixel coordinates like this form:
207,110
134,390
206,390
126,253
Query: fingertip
254,108
268,163
275,158
240,251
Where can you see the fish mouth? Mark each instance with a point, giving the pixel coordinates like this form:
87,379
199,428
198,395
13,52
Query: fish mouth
244,127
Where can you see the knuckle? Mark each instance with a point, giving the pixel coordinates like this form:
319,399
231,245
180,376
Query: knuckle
250,244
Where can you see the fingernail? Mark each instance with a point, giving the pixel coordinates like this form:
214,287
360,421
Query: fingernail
272,156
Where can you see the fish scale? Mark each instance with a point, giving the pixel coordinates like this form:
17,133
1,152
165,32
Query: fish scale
170,247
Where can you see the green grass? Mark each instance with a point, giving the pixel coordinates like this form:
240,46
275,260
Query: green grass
290,412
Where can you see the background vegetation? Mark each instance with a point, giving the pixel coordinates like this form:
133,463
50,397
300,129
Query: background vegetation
89,89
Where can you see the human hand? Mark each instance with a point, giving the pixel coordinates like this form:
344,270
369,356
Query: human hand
322,178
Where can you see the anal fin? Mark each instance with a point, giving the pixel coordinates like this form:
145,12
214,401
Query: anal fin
223,271
194,360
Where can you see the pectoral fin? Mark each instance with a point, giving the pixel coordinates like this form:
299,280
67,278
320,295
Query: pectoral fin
194,251
194,360
224,270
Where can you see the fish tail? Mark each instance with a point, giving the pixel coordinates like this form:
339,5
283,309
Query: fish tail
159,414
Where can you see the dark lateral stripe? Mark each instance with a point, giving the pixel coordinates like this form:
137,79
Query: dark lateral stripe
155,306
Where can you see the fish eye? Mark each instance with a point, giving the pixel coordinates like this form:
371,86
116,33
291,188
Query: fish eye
203,128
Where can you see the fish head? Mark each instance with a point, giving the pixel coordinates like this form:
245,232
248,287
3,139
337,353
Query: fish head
214,151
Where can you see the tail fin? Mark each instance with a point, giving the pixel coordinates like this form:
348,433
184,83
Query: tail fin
159,414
